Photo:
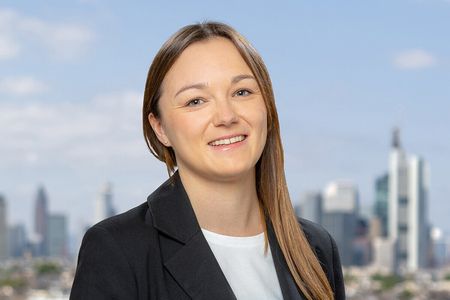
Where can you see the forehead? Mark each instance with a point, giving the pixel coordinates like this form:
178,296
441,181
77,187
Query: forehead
206,61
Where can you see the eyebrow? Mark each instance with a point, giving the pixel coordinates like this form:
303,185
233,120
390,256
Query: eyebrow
200,86
238,78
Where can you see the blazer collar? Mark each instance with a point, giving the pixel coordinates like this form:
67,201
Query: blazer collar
189,260
192,263
172,211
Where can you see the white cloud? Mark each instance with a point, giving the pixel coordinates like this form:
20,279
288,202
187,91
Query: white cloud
64,40
8,47
414,59
21,86
7,17
87,134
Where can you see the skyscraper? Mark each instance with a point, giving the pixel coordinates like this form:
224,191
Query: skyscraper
40,222
362,246
103,205
440,247
57,236
381,203
311,206
17,240
340,216
407,207
4,250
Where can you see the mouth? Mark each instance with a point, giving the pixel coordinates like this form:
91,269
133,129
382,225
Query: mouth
228,140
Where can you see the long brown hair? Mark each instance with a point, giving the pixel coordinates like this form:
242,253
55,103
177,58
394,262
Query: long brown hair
270,179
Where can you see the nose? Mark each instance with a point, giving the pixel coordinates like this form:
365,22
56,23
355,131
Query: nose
225,114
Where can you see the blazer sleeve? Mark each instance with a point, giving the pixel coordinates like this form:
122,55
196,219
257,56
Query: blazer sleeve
339,288
103,271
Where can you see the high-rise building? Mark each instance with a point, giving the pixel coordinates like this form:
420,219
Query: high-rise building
407,208
40,222
311,206
341,196
362,247
381,203
57,236
103,206
4,250
383,258
340,216
439,249
17,240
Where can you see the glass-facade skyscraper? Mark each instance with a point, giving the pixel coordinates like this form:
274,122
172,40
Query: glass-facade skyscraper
407,207
381,203
40,222
104,204
340,216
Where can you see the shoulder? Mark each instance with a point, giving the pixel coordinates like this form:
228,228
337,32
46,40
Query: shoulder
120,234
313,231
323,244
134,220
107,259
317,236
320,240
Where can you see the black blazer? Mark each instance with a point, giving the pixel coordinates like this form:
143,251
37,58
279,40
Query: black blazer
157,251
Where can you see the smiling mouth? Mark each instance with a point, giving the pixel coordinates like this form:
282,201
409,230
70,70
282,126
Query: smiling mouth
232,140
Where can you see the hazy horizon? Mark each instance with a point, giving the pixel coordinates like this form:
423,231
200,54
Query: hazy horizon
72,76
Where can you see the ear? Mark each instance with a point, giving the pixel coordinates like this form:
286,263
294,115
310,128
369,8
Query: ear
158,129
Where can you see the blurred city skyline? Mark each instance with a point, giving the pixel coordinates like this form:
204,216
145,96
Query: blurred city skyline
344,75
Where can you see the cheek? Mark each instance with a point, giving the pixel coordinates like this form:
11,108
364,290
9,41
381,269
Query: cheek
259,122
261,118
184,128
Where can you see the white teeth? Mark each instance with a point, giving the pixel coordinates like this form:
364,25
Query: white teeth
233,140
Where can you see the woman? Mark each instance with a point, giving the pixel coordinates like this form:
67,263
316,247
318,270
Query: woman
222,226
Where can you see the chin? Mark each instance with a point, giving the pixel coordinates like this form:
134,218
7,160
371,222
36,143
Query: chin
233,174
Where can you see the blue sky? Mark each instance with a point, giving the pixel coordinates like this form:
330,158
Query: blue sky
345,73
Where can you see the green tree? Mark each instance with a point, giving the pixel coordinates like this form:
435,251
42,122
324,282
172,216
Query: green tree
387,282
406,295
47,268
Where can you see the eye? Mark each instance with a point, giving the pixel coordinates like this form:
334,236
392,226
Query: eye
195,102
243,93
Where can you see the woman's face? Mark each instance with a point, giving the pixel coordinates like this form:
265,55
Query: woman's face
212,112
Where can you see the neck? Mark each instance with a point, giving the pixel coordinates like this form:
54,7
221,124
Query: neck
229,208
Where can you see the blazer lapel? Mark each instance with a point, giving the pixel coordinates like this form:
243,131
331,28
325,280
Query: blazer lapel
287,284
185,251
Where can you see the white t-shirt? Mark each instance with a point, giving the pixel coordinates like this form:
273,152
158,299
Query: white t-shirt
250,273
